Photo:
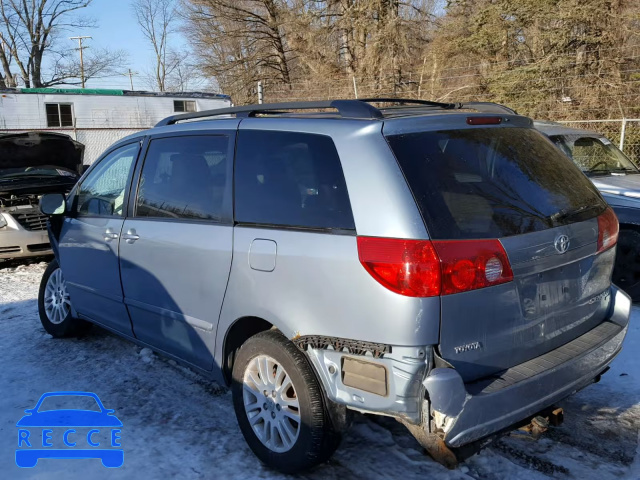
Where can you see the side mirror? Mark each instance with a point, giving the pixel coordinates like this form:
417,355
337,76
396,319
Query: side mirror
53,204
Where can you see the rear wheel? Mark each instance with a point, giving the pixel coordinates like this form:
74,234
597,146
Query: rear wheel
626,272
54,305
280,405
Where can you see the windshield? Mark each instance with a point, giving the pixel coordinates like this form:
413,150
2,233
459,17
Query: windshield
594,155
34,171
492,182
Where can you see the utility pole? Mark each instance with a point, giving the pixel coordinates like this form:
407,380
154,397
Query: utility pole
80,47
130,74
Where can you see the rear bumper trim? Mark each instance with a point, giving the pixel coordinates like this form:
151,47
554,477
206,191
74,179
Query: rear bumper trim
539,365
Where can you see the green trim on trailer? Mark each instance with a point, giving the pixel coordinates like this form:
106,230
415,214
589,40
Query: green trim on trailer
75,91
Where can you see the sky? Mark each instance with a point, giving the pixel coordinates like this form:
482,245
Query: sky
118,30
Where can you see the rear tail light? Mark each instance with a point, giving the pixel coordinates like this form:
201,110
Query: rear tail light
472,264
424,268
607,230
407,267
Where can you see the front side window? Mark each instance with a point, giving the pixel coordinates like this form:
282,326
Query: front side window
102,192
59,114
594,155
184,106
290,179
184,177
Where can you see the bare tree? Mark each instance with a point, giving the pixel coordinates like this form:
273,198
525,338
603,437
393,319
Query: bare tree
30,32
7,78
157,18
98,63
181,75
239,42
288,42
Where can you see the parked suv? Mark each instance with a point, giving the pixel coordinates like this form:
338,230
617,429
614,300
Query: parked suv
618,180
443,264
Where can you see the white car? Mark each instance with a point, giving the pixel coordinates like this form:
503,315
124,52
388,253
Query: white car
32,164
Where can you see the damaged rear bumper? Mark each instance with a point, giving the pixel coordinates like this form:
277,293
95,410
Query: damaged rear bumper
435,404
466,413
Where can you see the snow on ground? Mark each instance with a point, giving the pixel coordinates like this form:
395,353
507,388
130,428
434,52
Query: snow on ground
179,425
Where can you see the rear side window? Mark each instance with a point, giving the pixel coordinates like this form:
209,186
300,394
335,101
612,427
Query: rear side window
492,182
290,179
184,177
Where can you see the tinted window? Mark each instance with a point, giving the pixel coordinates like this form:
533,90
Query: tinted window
492,182
102,192
184,177
291,179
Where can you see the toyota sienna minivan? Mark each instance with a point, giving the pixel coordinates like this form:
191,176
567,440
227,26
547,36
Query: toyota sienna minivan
443,264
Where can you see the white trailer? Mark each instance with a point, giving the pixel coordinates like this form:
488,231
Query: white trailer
96,118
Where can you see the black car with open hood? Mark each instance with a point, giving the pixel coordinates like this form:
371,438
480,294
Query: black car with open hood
40,149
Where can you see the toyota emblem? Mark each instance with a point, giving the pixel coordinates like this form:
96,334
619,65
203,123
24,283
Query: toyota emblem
562,243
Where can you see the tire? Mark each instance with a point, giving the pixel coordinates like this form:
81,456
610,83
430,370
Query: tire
54,305
626,272
306,442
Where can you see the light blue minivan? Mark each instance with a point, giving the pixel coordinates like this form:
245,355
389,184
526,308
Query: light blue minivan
443,264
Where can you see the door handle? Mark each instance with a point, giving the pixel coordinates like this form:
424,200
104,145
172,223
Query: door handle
131,236
109,235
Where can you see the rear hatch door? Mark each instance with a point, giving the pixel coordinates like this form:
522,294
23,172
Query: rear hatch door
510,184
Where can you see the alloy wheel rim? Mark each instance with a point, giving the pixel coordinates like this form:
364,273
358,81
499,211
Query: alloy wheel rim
57,304
271,404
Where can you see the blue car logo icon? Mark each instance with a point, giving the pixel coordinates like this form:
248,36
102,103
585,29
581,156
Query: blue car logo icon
53,429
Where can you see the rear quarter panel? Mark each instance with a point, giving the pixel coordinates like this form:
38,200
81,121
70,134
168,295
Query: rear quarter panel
318,286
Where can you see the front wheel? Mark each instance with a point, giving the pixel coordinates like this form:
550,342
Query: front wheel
280,405
54,305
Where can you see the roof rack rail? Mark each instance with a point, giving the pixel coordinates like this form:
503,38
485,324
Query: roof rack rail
356,109
409,101
482,107
346,109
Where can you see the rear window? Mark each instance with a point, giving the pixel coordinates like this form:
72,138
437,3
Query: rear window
492,182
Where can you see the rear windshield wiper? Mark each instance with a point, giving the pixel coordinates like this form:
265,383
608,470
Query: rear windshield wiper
568,213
